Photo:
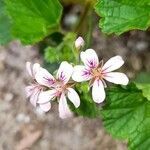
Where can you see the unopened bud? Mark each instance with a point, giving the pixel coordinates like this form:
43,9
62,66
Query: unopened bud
79,42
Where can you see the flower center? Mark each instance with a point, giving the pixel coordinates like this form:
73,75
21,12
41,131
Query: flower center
97,73
61,87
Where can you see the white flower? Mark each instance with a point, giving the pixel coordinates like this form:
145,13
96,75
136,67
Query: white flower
61,87
32,70
33,90
96,72
79,42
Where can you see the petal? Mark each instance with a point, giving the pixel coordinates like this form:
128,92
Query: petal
79,42
64,72
73,97
29,90
98,92
117,78
28,68
64,111
45,107
46,96
34,97
81,74
43,77
113,64
89,58
36,67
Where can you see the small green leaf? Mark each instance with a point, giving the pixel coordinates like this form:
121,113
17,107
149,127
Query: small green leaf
5,26
145,89
64,51
33,20
142,82
143,77
126,115
119,16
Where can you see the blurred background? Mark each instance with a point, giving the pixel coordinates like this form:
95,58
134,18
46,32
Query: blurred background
24,127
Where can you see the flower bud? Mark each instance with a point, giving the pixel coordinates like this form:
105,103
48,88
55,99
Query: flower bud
79,42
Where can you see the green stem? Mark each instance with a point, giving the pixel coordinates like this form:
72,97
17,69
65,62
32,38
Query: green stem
83,16
76,55
90,30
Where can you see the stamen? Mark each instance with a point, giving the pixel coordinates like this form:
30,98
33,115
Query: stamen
97,73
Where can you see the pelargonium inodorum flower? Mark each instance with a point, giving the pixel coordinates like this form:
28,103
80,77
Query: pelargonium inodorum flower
60,88
97,73
33,90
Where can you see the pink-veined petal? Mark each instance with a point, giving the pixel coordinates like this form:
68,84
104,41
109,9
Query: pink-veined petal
113,64
36,67
43,77
45,107
64,72
29,90
81,74
34,97
64,111
28,68
98,92
89,58
74,97
46,96
117,78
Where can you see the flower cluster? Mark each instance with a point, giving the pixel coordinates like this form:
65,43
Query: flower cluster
46,88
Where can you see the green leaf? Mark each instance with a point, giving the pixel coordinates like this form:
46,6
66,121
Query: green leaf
140,140
88,107
119,16
142,82
33,20
126,115
83,2
5,26
123,109
143,77
145,89
64,51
